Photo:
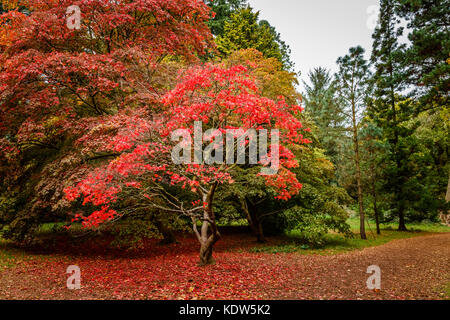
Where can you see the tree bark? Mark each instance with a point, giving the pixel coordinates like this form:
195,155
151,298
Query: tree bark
206,252
168,235
254,222
445,216
401,221
209,234
260,238
375,209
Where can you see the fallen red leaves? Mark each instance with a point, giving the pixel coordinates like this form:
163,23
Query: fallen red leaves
411,268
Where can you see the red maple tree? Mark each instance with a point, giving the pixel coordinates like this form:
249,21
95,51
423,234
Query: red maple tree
222,99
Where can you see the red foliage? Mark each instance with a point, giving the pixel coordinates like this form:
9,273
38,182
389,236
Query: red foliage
228,98
221,98
48,70
56,84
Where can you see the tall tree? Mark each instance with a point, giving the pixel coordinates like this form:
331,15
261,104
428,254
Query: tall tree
288,64
427,70
322,103
373,151
426,58
388,83
352,82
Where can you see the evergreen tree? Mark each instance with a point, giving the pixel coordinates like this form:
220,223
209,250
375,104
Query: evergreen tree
352,80
426,59
284,47
321,102
388,83
223,10
245,31
373,150
427,69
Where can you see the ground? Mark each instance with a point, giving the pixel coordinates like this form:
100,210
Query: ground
414,266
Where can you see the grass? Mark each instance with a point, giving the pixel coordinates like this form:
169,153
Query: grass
336,243
414,227
9,255
447,291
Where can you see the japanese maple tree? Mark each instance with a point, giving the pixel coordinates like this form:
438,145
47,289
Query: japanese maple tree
221,99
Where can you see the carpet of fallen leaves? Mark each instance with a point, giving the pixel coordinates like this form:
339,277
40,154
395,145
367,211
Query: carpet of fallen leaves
415,268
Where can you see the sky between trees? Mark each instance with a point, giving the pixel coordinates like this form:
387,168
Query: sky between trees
319,31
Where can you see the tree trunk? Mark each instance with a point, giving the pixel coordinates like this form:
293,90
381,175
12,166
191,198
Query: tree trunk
445,216
401,217
254,222
209,234
168,235
260,234
358,175
206,253
377,217
401,221
398,188
375,207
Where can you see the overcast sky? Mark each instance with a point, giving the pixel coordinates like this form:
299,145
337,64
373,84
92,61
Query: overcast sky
320,31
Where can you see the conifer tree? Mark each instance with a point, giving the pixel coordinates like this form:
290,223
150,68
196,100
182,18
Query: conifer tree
388,84
352,81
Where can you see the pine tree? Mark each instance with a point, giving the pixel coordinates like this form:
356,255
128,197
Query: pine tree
426,59
352,79
388,84
284,47
321,102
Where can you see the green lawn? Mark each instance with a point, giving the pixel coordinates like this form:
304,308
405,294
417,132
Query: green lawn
9,256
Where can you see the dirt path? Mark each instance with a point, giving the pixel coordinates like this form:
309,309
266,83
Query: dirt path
415,268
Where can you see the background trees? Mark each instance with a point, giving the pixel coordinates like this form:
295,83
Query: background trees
322,103
426,59
409,95
223,9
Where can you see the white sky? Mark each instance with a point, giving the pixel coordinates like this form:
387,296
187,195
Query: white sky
319,31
